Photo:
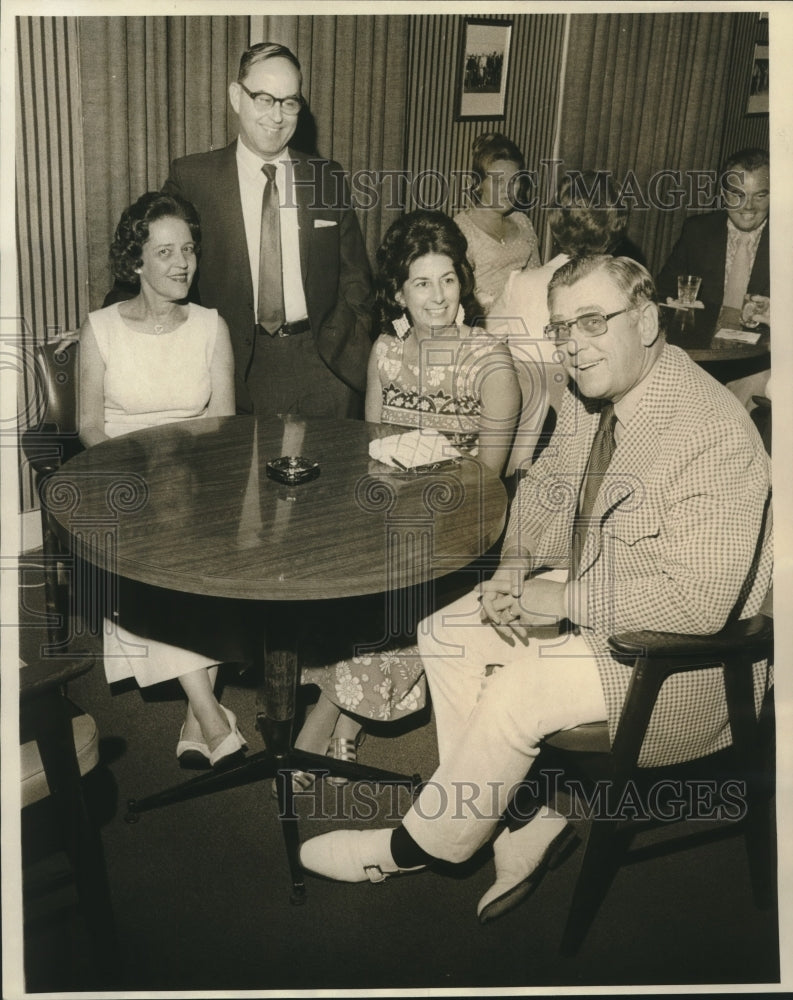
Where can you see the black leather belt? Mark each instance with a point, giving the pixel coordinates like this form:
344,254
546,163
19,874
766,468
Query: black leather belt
287,330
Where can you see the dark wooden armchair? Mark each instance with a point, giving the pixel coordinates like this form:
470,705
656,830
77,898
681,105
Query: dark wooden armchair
53,441
655,656
58,745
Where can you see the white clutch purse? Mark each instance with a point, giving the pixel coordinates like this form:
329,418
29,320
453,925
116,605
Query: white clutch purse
414,450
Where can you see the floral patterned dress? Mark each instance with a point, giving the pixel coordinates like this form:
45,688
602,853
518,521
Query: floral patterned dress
374,683
434,386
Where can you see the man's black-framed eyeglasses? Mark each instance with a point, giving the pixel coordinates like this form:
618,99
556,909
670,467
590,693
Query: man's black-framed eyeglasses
263,101
593,324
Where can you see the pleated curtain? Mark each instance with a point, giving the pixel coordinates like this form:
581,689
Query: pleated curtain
154,88
354,80
643,93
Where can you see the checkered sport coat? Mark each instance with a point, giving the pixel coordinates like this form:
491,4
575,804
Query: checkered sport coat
680,540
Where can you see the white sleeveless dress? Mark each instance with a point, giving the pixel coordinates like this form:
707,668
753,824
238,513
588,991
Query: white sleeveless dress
152,380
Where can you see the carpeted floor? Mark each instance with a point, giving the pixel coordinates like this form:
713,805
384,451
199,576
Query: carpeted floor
201,890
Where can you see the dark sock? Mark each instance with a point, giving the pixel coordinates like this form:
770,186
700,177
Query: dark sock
406,852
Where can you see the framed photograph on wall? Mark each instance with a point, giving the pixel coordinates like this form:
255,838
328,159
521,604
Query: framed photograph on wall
757,102
482,69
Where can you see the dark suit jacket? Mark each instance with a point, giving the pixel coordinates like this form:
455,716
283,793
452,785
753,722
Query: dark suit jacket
334,265
702,249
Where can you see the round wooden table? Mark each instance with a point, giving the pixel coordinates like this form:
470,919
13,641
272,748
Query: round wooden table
190,507
695,331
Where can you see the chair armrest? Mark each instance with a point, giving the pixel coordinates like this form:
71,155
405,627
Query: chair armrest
46,448
656,655
751,634
42,675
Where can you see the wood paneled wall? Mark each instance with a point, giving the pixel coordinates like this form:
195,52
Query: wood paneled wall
742,130
435,141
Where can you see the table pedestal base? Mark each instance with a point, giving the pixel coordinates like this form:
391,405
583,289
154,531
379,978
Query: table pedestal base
264,765
275,720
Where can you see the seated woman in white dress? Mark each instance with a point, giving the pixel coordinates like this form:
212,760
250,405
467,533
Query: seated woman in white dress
500,236
427,369
156,359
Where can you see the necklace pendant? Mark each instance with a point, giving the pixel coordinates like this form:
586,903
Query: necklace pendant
158,329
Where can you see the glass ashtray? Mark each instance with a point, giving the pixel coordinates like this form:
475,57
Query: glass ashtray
292,469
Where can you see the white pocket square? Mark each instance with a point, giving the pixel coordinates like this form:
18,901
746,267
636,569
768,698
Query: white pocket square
321,223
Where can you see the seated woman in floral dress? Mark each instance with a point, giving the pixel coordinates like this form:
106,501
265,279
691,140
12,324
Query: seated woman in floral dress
467,389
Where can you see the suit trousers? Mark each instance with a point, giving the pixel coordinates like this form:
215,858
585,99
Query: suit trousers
491,719
287,375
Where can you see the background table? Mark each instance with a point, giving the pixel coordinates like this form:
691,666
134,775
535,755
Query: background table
695,331
189,507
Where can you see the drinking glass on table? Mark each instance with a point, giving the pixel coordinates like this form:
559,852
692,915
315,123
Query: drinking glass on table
755,310
688,288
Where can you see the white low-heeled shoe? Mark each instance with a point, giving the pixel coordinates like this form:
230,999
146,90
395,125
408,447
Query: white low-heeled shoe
352,856
520,868
233,744
192,754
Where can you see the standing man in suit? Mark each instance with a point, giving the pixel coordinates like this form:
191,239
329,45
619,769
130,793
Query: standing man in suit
283,260
728,249
650,507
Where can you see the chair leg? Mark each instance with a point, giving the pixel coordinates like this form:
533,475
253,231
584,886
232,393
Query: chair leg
758,823
753,746
55,739
53,597
605,845
289,830
758,837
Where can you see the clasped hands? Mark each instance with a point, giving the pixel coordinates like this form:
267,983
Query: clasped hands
514,604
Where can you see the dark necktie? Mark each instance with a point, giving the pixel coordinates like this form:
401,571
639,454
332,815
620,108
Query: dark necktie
599,459
270,312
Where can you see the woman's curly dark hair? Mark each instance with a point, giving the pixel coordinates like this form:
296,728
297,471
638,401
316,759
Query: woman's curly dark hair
132,230
413,236
587,219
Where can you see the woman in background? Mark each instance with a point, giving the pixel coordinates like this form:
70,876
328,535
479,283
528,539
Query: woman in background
500,238
423,287
580,225
157,359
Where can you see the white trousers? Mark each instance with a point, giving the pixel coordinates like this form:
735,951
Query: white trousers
490,720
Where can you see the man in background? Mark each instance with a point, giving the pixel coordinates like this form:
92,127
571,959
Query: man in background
728,249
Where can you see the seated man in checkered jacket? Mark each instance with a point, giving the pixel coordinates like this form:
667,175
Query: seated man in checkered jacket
649,509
